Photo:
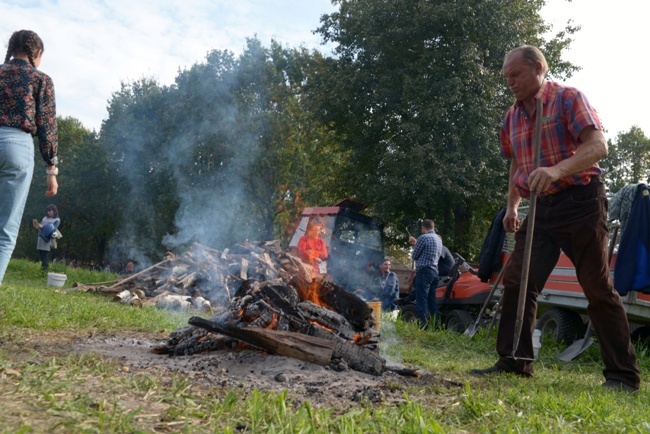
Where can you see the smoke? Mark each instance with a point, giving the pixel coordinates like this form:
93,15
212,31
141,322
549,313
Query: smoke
390,338
204,133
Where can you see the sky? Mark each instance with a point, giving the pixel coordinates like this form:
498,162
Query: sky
92,46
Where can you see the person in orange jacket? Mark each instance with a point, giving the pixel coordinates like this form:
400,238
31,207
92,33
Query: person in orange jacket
312,249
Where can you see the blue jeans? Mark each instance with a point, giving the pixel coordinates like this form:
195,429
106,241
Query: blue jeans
426,283
16,170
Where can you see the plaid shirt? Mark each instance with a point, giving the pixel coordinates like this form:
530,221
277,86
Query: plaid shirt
426,251
566,113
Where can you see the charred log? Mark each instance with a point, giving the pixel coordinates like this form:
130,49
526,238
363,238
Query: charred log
308,348
194,340
329,319
303,347
355,310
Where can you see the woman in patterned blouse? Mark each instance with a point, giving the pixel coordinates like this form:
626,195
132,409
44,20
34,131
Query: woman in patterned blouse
27,108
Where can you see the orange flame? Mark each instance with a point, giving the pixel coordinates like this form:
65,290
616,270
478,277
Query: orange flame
312,292
362,339
273,325
322,326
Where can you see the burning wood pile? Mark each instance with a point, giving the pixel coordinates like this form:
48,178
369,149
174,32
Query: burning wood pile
260,296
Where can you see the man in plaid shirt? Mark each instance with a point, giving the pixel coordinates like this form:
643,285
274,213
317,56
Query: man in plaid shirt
426,252
571,216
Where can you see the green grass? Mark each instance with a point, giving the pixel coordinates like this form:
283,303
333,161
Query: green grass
88,393
26,301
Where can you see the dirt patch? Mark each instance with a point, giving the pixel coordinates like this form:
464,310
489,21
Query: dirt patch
248,369
242,370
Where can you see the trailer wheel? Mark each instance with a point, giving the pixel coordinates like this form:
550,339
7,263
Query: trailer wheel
409,313
565,326
458,320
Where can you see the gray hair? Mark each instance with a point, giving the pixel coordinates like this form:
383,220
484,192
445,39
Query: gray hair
531,55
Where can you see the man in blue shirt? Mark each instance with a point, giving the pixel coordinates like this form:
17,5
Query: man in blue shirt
426,252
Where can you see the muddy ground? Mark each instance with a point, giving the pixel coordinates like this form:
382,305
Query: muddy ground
242,370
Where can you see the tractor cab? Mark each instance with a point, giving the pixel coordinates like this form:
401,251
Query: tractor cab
354,241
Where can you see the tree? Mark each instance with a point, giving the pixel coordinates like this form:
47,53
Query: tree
134,139
86,199
628,161
225,153
415,92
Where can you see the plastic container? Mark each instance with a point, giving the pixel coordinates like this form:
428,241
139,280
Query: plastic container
537,342
376,312
56,279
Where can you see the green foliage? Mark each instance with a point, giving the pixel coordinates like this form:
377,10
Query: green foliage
417,96
628,161
132,139
228,152
87,201
404,117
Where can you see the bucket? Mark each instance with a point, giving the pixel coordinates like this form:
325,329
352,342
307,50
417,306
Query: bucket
56,279
376,312
537,343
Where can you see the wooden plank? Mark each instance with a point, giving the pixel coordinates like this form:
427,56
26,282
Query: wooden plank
302,347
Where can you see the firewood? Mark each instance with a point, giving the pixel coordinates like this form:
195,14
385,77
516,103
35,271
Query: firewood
77,284
296,345
359,358
83,288
298,270
355,310
188,280
122,282
173,302
122,296
244,269
135,301
201,304
329,319
105,290
405,372
264,260
198,246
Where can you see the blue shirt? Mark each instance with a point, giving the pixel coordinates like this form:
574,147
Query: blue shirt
426,251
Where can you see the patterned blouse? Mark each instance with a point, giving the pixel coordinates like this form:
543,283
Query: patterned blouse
27,103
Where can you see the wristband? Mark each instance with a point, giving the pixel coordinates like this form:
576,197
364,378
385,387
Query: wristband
54,171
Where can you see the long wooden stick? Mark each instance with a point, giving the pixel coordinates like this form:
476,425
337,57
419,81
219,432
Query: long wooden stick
528,247
122,282
101,283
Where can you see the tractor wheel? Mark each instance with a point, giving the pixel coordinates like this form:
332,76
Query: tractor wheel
565,326
641,335
409,313
457,320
